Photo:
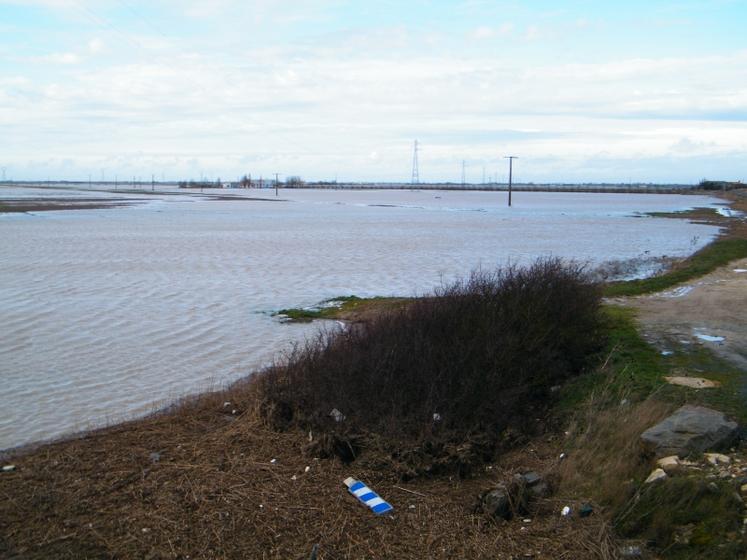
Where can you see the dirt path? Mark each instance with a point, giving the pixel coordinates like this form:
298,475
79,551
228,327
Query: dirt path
700,312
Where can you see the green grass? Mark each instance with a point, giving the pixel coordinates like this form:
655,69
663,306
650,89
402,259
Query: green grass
631,365
708,259
605,444
707,511
636,369
337,308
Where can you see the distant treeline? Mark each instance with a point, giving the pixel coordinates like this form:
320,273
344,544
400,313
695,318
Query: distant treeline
720,185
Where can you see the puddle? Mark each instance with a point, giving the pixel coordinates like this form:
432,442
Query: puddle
678,292
709,337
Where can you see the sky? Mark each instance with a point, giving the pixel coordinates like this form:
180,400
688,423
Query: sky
581,91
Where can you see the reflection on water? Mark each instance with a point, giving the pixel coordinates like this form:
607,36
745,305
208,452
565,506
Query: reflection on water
105,314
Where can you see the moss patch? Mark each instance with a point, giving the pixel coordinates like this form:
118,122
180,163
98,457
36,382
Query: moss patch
342,308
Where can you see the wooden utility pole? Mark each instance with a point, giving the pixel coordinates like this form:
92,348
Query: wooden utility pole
276,184
510,175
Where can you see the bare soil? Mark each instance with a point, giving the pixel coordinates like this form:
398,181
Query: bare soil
714,305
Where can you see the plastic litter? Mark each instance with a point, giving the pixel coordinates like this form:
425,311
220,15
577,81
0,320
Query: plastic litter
273,461
307,469
336,415
586,510
9,468
566,511
436,417
367,496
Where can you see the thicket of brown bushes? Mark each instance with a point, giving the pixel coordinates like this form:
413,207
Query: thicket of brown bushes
483,355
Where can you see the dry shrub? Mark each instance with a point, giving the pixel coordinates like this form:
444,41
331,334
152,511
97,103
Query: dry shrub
483,354
605,455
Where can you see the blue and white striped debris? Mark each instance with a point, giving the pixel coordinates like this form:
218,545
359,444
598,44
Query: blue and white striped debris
367,496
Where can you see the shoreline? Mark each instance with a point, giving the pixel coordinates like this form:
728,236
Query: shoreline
207,472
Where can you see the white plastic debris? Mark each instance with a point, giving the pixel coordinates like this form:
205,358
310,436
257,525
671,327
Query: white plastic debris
273,461
307,469
233,411
566,511
562,456
294,477
436,417
336,415
9,468
226,404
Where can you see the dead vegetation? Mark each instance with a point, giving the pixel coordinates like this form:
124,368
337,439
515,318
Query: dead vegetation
200,482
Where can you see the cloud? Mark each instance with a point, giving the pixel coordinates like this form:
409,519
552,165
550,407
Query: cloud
482,32
486,32
353,99
58,58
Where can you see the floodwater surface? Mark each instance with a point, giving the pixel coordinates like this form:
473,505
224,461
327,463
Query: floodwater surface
109,313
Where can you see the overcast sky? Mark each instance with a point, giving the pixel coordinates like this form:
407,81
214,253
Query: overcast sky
641,90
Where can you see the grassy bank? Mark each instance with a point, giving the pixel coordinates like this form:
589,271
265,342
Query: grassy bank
708,259
342,308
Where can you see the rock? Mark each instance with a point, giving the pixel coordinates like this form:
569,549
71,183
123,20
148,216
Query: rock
669,464
506,500
531,478
692,382
656,476
713,488
717,459
540,490
497,502
743,489
691,429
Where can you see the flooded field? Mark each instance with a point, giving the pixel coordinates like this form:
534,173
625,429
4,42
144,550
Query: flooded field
108,313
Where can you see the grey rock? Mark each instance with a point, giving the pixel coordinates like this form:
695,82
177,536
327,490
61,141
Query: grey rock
691,429
506,500
531,478
497,502
540,490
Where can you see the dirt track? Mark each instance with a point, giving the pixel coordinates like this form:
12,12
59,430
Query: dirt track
714,305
